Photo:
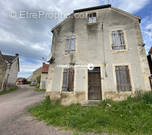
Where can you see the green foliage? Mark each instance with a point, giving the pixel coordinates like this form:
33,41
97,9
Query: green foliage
38,79
8,91
132,116
37,89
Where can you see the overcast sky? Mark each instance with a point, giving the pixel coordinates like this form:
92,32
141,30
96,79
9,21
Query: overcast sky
25,25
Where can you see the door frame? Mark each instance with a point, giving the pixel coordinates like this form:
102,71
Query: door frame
102,91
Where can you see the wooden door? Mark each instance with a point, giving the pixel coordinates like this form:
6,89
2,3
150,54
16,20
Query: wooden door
94,84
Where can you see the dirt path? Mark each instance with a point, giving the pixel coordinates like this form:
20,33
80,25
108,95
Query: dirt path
14,118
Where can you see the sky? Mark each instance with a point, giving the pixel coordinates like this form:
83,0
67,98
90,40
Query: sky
25,25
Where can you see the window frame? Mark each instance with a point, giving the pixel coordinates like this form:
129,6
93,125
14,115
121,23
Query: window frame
125,40
68,49
93,19
68,76
130,75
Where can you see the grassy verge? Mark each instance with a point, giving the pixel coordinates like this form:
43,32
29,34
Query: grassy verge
39,90
132,116
8,91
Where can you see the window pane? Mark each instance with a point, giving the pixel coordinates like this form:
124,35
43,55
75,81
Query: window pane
92,18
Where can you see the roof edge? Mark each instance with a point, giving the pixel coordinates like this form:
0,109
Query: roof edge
127,13
92,8
96,8
61,22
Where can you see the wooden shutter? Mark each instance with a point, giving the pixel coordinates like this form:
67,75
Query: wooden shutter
65,80
67,46
70,45
123,78
71,79
68,79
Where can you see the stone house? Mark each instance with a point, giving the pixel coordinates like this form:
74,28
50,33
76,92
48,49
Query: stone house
108,41
9,68
36,74
44,76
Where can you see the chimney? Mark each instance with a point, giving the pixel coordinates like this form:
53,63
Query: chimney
17,54
43,63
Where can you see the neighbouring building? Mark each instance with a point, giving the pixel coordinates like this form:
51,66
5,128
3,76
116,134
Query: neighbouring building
44,76
21,81
9,68
109,41
149,57
36,74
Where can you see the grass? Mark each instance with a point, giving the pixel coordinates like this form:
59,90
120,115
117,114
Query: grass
132,116
8,91
39,90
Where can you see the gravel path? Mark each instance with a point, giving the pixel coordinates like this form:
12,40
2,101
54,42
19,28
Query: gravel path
14,118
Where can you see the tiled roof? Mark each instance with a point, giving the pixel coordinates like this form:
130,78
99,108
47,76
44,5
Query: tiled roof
150,51
9,58
21,79
45,68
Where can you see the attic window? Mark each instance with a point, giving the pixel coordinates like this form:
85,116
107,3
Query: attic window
92,18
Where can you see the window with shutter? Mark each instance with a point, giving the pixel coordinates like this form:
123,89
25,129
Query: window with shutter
123,78
118,41
70,45
68,79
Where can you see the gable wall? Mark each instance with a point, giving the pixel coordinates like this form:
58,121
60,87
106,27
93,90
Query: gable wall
3,67
13,72
93,45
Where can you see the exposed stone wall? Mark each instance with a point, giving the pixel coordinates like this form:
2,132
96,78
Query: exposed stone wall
3,67
67,98
117,96
13,72
36,74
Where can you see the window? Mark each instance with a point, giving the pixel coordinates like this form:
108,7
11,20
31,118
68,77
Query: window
123,78
68,79
70,45
43,84
118,42
92,18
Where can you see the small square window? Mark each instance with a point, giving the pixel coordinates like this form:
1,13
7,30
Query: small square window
92,18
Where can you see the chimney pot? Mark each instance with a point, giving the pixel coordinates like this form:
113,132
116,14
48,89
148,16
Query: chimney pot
17,54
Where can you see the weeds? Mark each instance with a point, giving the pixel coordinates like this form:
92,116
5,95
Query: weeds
132,116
